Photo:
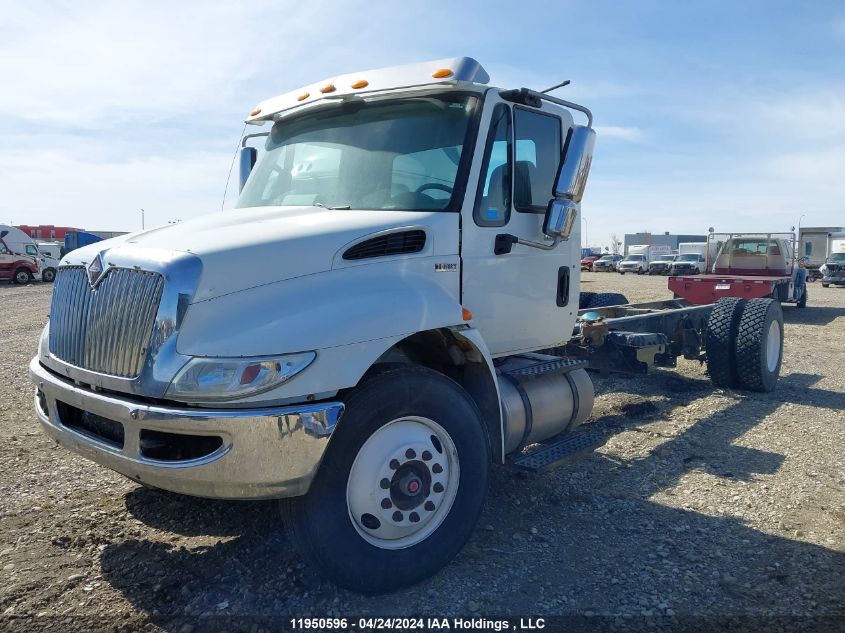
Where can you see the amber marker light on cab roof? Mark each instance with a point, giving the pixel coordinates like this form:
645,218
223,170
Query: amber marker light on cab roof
303,96
255,112
327,88
466,314
440,74
361,83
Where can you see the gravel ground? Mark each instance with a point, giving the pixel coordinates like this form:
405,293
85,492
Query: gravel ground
704,502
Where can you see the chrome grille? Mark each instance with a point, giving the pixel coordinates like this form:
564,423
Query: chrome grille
106,329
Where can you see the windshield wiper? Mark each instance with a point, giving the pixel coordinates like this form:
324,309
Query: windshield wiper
342,207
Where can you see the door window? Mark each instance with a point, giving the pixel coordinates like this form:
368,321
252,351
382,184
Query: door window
538,150
493,200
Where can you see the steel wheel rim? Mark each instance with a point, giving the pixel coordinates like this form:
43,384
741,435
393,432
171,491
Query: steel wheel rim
773,346
403,483
22,277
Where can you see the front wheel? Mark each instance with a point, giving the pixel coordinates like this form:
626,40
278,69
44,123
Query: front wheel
48,276
401,486
22,276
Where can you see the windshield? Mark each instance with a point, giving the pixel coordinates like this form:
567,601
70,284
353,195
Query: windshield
836,258
758,246
689,257
635,258
606,258
398,154
666,258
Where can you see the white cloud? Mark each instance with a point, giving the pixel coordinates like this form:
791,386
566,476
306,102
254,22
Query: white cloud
92,63
621,133
70,188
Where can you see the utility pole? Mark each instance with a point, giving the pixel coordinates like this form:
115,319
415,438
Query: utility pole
142,219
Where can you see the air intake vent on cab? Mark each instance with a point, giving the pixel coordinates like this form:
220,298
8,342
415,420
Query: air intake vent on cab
399,243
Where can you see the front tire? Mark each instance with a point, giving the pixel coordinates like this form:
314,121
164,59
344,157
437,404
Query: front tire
401,486
22,276
48,276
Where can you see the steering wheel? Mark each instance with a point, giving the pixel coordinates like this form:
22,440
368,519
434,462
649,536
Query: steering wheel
434,185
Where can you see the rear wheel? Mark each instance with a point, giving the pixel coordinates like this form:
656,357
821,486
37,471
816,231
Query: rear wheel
22,276
604,299
759,345
720,341
401,486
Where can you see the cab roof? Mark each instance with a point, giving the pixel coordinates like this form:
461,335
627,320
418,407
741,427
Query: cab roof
449,72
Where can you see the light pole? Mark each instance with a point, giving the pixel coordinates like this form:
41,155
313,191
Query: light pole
142,219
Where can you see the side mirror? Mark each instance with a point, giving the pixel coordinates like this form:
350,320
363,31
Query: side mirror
247,162
3,234
560,218
575,163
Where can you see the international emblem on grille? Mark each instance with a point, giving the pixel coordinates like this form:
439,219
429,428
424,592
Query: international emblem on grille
96,270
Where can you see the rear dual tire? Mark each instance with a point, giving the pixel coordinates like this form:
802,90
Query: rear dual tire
401,486
744,343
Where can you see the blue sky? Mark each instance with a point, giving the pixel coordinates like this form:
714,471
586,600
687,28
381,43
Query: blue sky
724,114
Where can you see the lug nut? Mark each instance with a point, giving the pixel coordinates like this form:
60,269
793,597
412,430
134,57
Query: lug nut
429,506
394,464
437,469
438,487
386,503
397,516
426,455
410,453
384,483
414,517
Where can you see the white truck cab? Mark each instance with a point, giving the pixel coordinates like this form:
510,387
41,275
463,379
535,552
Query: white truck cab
393,308
418,239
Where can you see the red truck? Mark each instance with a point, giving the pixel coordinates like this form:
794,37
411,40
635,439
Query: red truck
21,269
746,265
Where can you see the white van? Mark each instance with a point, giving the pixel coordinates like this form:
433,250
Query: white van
21,243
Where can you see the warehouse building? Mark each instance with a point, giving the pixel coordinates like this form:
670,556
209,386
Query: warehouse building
660,239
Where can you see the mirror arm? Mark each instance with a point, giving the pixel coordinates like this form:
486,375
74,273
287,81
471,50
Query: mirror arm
505,241
249,136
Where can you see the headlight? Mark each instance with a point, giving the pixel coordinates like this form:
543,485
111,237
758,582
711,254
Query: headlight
203,379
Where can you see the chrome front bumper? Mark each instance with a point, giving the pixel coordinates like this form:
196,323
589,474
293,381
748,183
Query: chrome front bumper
265,453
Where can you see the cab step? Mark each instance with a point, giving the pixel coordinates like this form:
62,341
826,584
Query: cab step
559,450
546,365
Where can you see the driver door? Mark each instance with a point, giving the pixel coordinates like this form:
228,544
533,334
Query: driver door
521,300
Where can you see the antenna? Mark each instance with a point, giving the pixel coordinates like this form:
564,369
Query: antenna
556,86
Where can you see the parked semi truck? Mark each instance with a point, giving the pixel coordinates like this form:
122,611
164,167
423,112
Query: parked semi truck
392,308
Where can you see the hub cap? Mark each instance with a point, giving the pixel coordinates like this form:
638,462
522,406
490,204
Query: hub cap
773,346
403,483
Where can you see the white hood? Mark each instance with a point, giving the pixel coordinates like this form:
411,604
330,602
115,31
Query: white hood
245,248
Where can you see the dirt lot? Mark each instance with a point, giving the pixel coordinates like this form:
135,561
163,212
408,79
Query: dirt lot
703,503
